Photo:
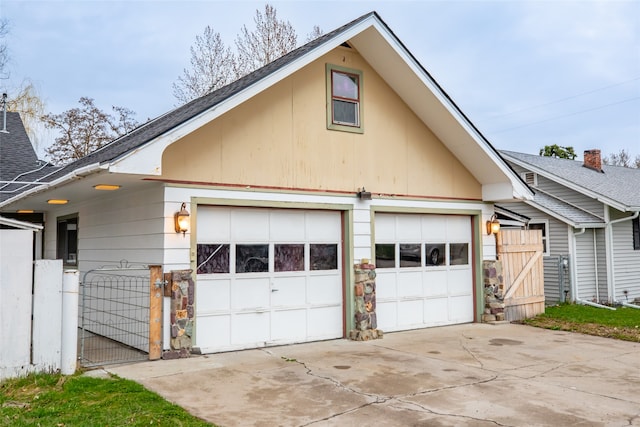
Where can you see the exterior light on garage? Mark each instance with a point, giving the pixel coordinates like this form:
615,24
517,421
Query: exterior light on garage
493,225
57,201
364,194
182,220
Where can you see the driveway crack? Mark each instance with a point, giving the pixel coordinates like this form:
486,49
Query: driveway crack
431,411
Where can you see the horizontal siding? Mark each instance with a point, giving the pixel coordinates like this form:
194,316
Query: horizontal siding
602,265
626,263
564,193
125,226
571,196
585,267
551,280
558,232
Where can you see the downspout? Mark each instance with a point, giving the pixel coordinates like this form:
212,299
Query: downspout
574,276
595,264
613,270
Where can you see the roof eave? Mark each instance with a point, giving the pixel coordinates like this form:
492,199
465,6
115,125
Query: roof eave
572,185
564,219
71,176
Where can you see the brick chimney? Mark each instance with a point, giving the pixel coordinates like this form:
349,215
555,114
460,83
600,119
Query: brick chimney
592,160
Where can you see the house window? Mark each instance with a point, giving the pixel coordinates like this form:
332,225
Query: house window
67,239
344,95
636,234
543,226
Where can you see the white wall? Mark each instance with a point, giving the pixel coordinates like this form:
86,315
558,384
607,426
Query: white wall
117,226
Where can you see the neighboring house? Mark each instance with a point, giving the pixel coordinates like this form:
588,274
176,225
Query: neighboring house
19,167
588,214
343,150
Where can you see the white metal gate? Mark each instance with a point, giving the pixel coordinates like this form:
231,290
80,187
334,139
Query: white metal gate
114,315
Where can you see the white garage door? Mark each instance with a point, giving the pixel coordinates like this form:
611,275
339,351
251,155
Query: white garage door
267,277
424,270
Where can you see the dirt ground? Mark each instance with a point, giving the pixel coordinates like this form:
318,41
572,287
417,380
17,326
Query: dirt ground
626,333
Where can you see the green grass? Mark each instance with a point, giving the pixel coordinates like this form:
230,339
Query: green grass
623,323
57,401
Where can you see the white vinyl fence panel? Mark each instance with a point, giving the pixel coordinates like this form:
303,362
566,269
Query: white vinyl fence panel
15,301
30,308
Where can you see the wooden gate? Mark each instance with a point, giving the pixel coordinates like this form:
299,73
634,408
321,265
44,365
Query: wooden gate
521,254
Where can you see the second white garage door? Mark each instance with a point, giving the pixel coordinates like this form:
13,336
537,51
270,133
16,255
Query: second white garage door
267,277
424,271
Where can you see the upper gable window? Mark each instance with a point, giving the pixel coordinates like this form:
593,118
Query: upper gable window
344,95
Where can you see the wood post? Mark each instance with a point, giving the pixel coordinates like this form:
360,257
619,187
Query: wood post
156,292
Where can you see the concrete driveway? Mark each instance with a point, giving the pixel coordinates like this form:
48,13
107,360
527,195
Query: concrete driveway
466,375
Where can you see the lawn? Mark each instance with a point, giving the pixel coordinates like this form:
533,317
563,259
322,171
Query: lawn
622,324
58,401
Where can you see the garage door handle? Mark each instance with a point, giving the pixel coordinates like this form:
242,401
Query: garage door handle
275,290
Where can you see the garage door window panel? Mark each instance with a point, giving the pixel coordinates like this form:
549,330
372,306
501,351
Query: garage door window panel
288,257
213,258
385,255
252,258
435,254
410,255
459,254
323,256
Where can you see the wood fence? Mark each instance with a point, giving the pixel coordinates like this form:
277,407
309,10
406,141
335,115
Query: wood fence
521,254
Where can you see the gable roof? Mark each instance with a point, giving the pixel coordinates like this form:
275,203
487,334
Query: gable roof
617,186
140,151
18,159
16,152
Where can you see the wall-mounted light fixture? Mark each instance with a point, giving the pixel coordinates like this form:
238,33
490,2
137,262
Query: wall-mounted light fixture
182,220
364,194
493,225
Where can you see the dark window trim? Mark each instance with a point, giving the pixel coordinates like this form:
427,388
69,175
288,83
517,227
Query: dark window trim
636,234
62,246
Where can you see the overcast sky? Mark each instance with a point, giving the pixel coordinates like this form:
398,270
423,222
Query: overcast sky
526,73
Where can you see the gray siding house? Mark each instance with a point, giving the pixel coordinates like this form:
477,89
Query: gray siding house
588,213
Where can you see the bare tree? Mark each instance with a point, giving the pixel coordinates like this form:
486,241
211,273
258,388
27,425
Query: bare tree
212,66
85,129
623,158
271,39
315,33
4,54
29,104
